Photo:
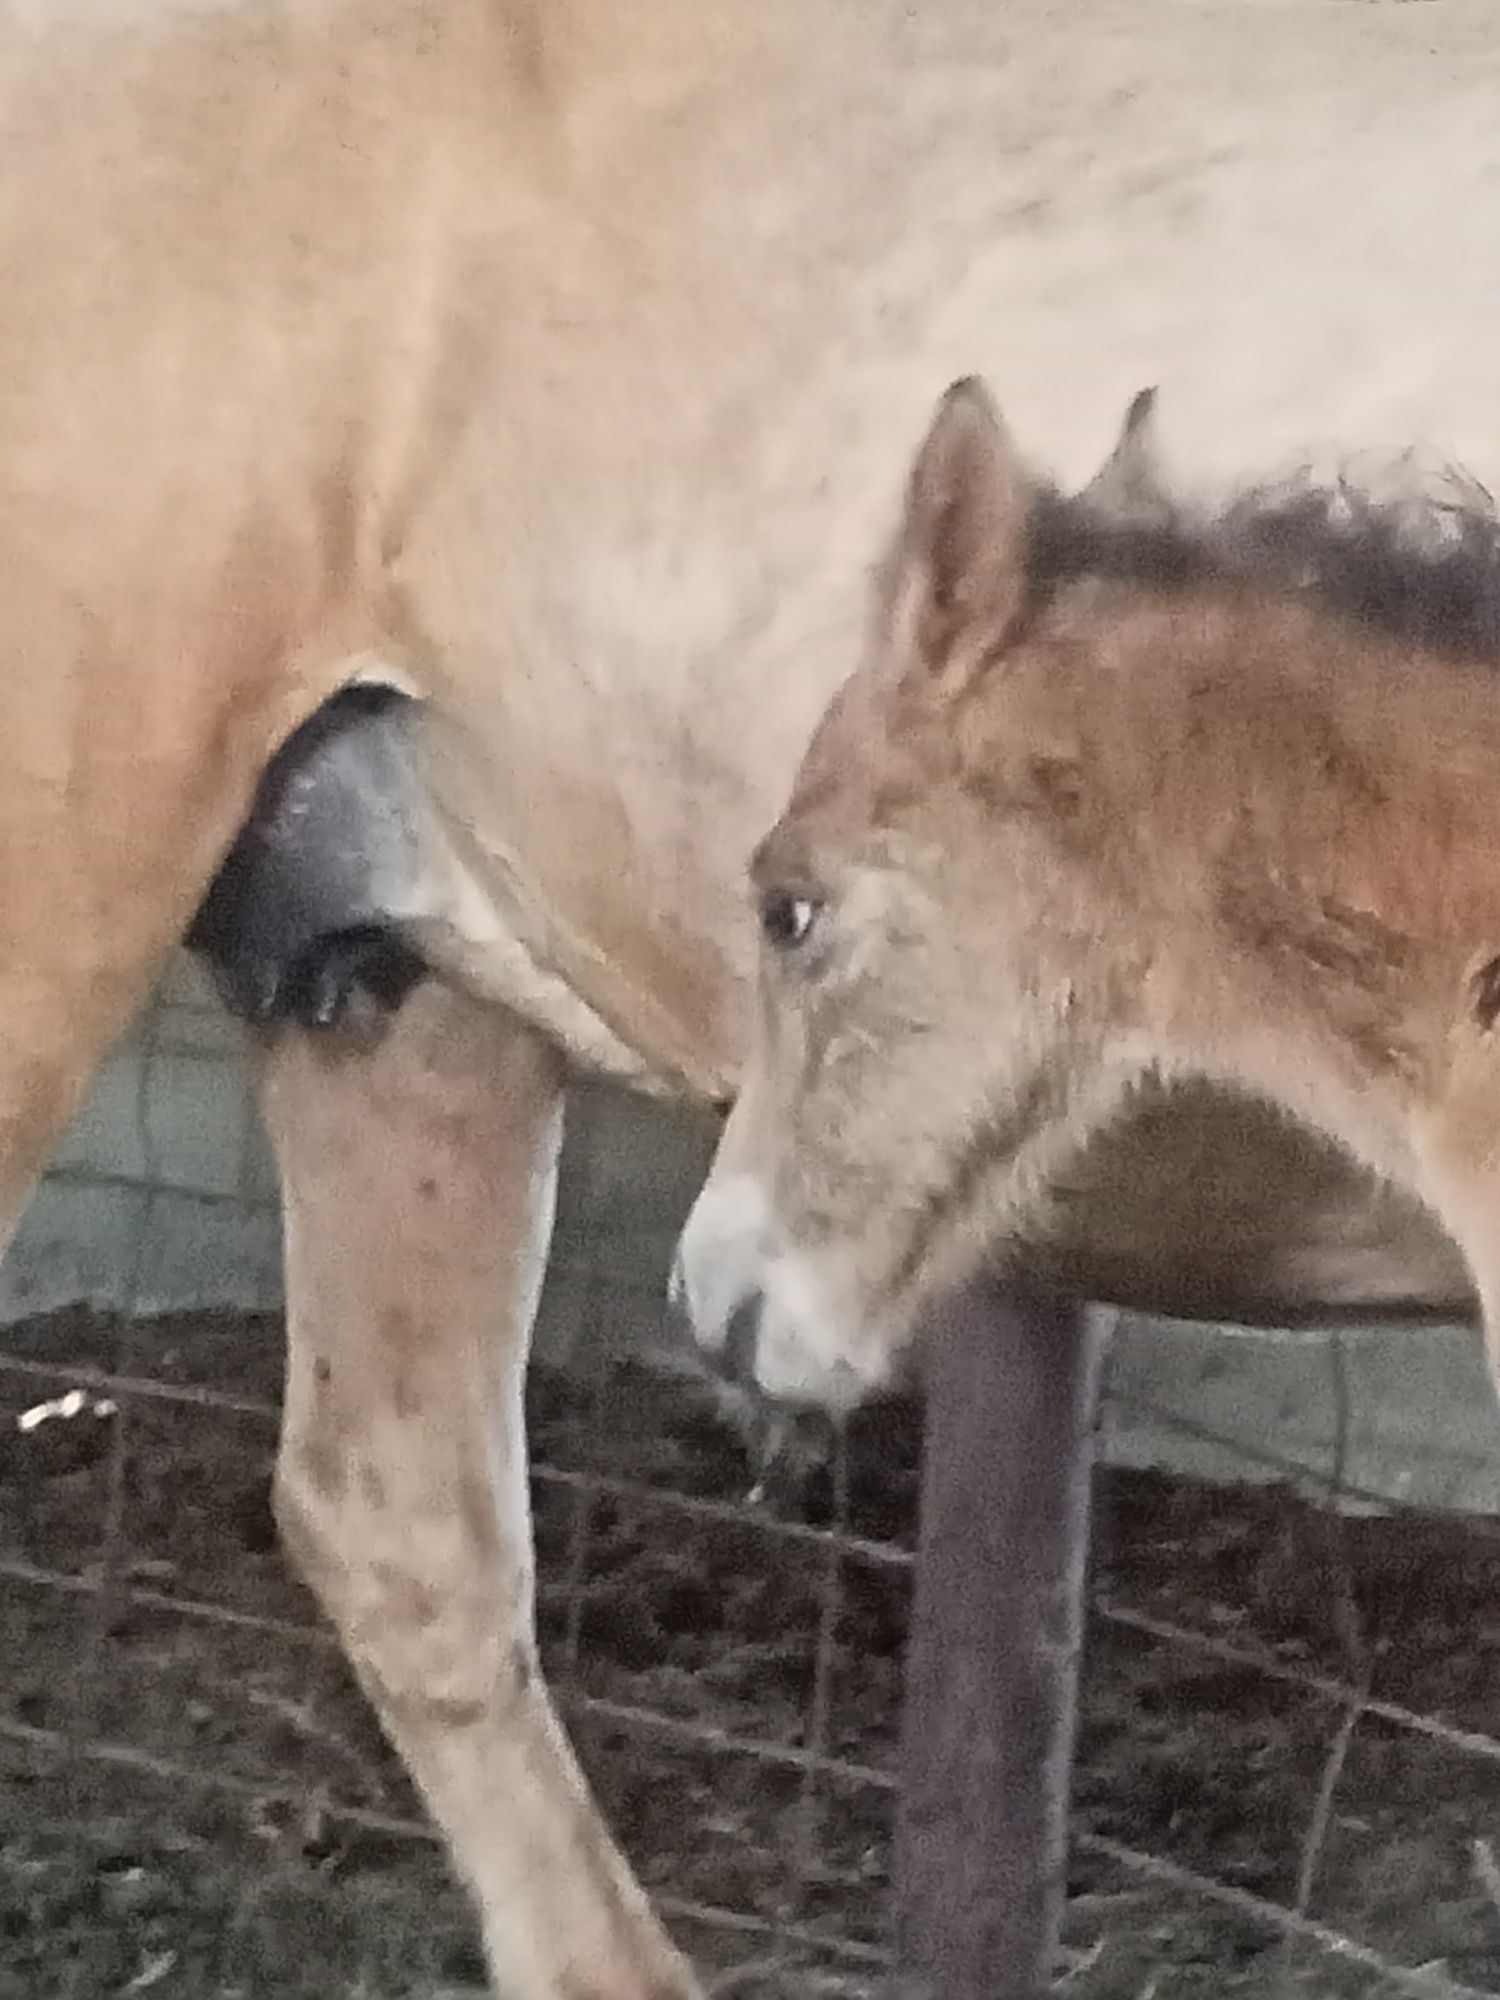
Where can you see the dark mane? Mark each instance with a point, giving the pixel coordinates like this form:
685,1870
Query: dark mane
1421,566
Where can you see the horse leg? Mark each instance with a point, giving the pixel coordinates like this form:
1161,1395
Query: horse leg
46,1065
418,1181
85,924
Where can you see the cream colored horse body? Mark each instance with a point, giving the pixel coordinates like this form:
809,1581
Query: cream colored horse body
561,359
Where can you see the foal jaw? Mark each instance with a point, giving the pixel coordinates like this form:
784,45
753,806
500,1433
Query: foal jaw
1460,1182
811,1347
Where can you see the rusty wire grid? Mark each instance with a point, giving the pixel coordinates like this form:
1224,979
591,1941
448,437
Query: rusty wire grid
1289,1773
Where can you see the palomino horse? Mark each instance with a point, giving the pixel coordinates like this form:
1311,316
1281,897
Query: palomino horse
1119,791
551,363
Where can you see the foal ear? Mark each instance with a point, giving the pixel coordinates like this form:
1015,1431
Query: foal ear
959,565
1128,488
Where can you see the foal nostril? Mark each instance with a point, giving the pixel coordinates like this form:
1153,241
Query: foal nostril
737,1361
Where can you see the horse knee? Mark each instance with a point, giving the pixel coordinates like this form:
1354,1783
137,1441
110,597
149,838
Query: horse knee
435,1621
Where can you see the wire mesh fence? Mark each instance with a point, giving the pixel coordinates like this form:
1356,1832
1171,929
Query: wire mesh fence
1289,1768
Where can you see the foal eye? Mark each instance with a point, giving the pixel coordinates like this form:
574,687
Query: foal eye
787,919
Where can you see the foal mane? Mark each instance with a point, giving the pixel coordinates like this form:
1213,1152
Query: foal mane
1419,564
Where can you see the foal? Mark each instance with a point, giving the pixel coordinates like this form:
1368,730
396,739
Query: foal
1117,790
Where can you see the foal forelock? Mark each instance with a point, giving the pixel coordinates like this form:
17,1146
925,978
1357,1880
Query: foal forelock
1418,562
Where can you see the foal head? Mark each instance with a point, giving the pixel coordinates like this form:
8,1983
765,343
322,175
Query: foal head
1113,791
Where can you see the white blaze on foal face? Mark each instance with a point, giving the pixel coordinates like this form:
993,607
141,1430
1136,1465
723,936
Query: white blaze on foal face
800,1320
766,1268
721,1259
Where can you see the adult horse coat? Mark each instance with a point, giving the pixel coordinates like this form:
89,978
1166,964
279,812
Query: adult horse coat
557,362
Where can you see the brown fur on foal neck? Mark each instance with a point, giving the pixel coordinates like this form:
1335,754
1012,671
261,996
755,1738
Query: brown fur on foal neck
1213,796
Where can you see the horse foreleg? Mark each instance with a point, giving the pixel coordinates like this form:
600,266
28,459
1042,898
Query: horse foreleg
65,999
418,1182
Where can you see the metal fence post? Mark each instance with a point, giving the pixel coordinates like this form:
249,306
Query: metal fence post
1012,1382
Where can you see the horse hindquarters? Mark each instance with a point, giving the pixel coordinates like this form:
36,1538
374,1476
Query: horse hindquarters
418,1181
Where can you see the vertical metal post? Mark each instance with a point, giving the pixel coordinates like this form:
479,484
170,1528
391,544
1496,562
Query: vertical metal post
1012,1382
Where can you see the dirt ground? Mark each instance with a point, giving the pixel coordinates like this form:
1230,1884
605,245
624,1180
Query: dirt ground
208,1852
